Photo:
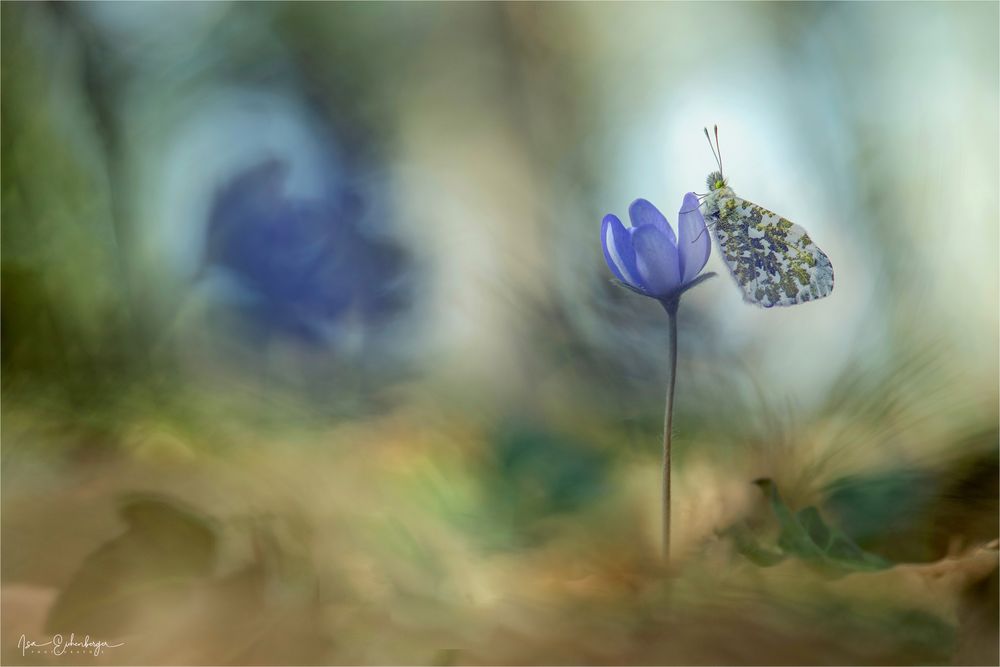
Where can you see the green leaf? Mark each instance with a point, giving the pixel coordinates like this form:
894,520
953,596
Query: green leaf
748,546
815,527
805,535
794,539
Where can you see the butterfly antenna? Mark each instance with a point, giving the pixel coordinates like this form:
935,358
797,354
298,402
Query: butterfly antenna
716,155
719,156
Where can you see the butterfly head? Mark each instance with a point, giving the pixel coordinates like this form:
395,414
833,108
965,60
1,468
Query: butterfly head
715,181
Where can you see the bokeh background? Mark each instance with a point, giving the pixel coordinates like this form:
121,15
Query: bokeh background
310,354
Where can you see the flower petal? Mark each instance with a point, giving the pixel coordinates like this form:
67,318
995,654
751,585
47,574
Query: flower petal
656,259
618,251
694,244
642,212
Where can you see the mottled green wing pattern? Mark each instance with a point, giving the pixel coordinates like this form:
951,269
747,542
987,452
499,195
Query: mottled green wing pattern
773,260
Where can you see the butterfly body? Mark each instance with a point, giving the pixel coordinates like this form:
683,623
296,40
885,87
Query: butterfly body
774,261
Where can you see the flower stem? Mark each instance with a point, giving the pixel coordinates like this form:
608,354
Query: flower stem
668,419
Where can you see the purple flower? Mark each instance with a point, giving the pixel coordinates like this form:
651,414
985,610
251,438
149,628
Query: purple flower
309,266
648,259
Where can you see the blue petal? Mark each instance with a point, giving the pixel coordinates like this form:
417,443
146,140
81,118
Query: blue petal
618,251
657,261
695,245
644,213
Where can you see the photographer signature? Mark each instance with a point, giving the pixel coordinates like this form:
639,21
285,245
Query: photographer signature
59,645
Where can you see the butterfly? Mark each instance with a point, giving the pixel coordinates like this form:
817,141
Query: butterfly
774,261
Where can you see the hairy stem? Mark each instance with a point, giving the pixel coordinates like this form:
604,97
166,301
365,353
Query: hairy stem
668,419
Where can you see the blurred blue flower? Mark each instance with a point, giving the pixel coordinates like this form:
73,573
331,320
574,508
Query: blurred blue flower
648,259
309,265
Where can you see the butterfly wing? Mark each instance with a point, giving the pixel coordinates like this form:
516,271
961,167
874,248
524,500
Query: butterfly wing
773,260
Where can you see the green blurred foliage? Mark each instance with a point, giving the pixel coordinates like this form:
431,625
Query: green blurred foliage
806,535
533,476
